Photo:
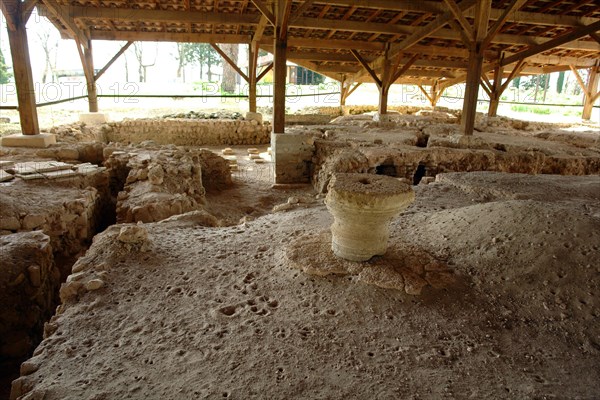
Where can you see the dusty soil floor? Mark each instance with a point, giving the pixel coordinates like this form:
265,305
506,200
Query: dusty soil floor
198,312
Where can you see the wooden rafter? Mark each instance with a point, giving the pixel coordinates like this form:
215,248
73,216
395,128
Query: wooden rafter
514,5
367,67
569,37
264,72
458,14
229,61
302,9
62,13
430,28
264,10
284,19
112,60
27,8
405,68
10,11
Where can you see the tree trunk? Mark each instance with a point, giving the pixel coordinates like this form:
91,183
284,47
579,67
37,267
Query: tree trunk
560,82
209,72
229,78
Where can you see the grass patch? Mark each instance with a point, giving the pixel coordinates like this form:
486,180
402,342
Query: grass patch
530,109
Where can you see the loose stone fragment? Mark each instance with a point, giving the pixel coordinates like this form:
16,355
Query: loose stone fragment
133,234
94,284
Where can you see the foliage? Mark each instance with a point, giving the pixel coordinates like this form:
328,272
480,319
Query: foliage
198,53
530,109
560,82
5,73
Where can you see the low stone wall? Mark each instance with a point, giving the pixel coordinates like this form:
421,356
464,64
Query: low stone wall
414,163
189,132
162,183
292,155
68,215
29,281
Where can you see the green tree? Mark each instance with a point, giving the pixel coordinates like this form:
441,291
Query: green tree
560,82
5,73
201,53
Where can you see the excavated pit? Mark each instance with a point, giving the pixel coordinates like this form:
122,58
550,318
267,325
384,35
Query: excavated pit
235,259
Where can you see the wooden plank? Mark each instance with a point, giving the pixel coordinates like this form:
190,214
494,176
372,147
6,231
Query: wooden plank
302,9
367,67
350,26
285,18
514,5
130,14
10,10
27,8
264,72
482,19
62,14
534,18
169,37
503,38
264,10
458,14
230,62
393,5
552,43
429,29
112,60
405,67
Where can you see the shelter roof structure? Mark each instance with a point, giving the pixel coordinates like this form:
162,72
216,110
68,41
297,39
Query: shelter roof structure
335,37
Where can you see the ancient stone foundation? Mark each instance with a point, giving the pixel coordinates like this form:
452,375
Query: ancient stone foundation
362,206
28,282
189,132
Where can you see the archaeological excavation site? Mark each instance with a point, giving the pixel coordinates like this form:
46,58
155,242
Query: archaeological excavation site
369,249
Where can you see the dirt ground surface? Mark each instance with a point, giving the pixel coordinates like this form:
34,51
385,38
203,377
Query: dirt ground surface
489,287
196,312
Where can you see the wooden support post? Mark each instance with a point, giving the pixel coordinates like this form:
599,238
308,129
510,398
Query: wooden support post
280,75
496,91
471,91
474,69
252,66
343,91
87,61
19,50
387,77
591,93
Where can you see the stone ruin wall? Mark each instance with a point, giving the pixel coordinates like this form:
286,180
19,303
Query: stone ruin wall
28,293
188,132
160,183
412,164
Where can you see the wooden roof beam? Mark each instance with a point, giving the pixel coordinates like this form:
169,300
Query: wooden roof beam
10,10
302,9
62,14
458,14
183,37
429,29
128,14
264,10
393,5
552,43
27,8
112,60
229,61
367,67
349,26
514,5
